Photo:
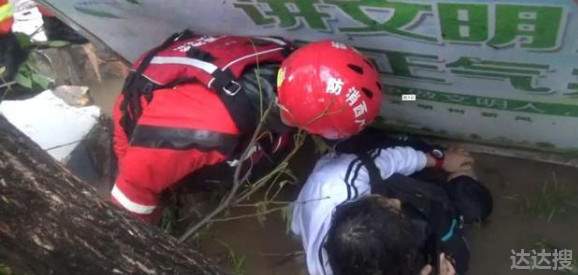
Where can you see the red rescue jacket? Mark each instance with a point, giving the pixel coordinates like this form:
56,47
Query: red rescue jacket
6,19
182,109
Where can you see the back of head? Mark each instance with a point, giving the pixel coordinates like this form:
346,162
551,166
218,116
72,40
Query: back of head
367,237
472,199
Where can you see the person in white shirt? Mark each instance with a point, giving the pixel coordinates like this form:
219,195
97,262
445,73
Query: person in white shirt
345,229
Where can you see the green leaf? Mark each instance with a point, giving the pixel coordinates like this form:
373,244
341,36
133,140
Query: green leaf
41,81
5,270
30,78
58,43
24,40
97,13
24,80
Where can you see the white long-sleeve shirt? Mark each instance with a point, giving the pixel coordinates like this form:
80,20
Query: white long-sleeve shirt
338,178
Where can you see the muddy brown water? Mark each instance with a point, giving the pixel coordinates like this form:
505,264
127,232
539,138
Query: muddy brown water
535,206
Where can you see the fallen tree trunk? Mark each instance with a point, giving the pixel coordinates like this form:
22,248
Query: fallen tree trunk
52,223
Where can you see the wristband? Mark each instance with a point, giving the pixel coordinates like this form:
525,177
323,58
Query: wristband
439,164
439,157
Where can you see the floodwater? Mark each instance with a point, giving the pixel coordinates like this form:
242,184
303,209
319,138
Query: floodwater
535,207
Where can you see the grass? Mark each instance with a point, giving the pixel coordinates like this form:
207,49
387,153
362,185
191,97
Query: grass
553,200
5,270
169,220
237,262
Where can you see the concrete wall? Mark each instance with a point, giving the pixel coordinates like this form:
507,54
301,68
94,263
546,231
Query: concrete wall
497,72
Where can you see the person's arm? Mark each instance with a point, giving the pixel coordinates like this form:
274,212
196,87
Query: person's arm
406,161
334,180
328,185
402,160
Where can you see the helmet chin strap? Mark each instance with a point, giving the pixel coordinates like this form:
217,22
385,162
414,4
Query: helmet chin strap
275,121
260,86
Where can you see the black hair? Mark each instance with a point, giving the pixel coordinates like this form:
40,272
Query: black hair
368,237
472,199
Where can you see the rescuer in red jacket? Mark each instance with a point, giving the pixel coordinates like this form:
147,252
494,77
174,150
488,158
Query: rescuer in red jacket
12,55
191,102
5,17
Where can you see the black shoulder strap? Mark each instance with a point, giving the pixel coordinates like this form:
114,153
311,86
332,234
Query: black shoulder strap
429,198
411,190
235,100
136,85
375,179
225,85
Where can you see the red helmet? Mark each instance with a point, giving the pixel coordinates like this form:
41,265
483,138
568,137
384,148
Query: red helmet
329,89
